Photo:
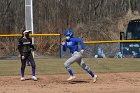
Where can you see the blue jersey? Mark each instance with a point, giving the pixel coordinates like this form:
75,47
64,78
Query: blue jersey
72,44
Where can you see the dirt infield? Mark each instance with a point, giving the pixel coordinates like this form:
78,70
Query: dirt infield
106,83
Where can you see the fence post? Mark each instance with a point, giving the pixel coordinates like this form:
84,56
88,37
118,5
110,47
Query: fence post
60,47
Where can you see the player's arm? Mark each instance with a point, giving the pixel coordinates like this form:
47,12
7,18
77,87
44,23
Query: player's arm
20,46
64,45
32,46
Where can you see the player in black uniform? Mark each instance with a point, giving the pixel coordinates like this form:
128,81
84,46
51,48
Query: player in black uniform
25,48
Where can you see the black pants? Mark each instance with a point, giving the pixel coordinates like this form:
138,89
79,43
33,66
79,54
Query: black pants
27,56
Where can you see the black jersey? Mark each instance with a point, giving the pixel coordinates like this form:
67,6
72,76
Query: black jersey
25,45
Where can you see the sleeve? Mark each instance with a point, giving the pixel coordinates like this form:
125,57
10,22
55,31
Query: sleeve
32,46
20,45
78,40
64,47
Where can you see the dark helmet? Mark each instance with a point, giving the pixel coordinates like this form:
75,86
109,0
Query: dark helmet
69,32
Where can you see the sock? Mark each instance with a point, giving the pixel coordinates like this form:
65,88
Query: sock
87,69
70,71
91,73
33,71
22,72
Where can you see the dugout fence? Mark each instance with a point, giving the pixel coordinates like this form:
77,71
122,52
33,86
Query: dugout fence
109,49
48,45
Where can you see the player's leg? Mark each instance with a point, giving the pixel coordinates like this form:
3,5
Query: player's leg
28,62
32,62
23,65
67,66
86,68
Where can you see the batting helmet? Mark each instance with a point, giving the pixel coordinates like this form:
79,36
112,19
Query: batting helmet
69,32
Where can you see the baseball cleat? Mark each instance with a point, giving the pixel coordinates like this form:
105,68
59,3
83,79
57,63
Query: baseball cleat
22,78
94,78
71,78
34,78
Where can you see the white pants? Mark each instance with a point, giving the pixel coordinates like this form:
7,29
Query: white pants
76,57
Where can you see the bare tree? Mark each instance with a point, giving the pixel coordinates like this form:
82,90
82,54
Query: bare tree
91,19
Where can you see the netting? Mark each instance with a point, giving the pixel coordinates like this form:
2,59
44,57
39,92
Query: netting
110,50
49,46
45,46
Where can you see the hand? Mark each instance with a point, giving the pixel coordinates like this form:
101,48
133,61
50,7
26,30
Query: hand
22,57
33,47
82,51
62,43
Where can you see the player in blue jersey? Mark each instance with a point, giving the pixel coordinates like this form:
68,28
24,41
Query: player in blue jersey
72,44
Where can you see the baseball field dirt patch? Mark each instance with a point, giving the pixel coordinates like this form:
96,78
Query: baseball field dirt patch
128,82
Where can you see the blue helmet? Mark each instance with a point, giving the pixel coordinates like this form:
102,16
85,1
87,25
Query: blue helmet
69,32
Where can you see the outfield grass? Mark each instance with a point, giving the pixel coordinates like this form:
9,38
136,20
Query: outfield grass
55,66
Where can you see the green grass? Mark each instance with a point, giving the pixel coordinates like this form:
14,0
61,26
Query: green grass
55,66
